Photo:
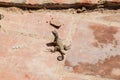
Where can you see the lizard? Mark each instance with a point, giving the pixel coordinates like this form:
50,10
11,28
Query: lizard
59,46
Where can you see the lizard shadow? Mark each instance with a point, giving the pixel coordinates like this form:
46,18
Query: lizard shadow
54,45
51,44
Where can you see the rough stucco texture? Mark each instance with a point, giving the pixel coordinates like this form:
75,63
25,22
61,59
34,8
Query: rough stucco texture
56,1
94,39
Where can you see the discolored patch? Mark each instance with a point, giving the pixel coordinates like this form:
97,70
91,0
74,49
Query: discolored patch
67,63
27,76
95,44
104,34
102,68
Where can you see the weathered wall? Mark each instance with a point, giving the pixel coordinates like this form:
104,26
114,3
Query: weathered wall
94,37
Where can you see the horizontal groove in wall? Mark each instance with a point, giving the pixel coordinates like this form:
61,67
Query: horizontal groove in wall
55,6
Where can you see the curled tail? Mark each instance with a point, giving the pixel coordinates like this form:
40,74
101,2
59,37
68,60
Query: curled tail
60,58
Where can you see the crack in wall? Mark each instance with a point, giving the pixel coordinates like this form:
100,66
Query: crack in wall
57,6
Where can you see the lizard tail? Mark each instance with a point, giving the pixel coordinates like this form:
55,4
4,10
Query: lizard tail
60,58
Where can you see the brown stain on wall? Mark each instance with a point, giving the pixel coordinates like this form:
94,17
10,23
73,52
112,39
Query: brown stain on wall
102,68
104,35
67,63
95,44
